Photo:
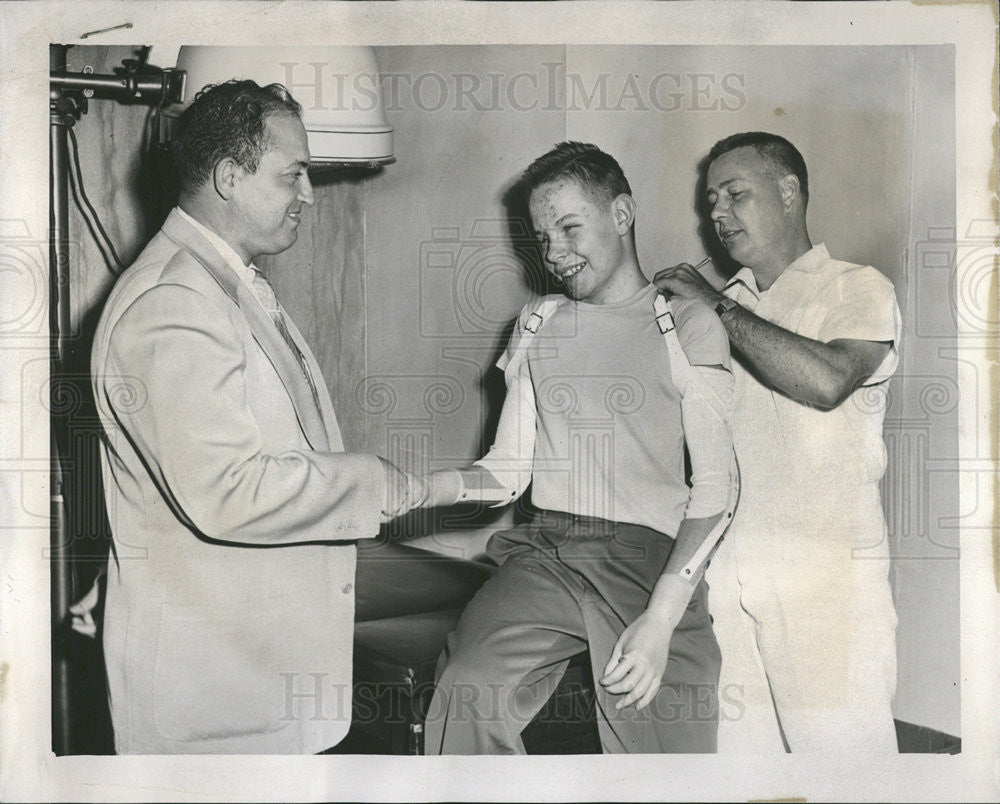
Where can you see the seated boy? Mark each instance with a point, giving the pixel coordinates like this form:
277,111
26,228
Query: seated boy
613,559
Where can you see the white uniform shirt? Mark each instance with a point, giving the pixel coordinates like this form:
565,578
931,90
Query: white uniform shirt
811,477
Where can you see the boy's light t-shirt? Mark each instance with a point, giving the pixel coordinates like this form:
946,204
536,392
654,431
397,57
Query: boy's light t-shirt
608,440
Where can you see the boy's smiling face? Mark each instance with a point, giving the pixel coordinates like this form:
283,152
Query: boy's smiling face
582,240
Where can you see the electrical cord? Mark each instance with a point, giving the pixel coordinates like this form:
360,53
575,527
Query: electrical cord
101,246
119,265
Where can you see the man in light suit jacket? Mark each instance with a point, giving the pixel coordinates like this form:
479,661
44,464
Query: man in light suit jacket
230,603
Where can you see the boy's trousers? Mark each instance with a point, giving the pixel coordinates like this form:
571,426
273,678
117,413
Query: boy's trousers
567,583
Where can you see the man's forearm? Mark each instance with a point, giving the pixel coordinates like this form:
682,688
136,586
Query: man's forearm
814,372
810,371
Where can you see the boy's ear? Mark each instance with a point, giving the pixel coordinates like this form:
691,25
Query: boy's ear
623,208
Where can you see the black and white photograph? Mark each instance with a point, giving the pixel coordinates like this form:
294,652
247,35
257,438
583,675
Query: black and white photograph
394,388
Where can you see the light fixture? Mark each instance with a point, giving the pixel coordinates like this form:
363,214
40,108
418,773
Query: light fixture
339,88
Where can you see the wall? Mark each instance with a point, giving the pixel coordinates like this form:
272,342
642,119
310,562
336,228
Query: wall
921,493
449,274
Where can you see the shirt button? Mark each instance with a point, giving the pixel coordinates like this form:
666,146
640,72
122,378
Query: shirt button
348,588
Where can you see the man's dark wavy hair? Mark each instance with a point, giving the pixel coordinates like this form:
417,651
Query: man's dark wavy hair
597,172
227,120
784,156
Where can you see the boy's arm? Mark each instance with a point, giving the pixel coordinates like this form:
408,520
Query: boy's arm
639,658
475,484
502,475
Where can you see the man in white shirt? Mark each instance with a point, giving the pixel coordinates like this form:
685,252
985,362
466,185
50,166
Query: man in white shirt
233,506
815,340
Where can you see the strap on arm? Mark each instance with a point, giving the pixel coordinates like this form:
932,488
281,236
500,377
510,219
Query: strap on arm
511,360
682,373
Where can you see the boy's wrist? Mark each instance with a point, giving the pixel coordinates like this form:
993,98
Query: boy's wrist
445,488
670,598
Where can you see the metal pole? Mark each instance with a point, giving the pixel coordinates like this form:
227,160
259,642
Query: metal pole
68,93
127,87
59,324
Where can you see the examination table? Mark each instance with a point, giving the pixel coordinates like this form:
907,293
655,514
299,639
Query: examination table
407,601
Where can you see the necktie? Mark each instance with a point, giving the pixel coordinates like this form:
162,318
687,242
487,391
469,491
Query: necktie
265,295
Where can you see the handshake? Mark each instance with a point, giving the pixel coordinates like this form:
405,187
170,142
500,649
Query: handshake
403,491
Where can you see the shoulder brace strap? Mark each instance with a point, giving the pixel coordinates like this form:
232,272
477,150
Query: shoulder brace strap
544,307
682,374
680,368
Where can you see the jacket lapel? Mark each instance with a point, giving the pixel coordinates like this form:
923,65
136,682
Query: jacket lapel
336,442
263,330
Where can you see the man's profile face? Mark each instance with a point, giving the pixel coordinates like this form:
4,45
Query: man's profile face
267,204
746,207
579,239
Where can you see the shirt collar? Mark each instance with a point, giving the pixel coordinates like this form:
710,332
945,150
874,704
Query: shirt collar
744,277
226,251
812,260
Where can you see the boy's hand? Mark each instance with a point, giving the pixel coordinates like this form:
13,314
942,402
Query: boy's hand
395,491
420,489
639,660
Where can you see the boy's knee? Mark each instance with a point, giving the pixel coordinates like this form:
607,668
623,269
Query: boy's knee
466,667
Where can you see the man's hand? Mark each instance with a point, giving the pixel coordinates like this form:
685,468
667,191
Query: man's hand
684,280
395,491
639,660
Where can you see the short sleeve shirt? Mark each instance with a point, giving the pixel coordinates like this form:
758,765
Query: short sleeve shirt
806,470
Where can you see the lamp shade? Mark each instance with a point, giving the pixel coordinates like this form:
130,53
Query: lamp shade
339,88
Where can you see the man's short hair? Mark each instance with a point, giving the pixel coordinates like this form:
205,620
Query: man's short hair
595,171
227,120
784,156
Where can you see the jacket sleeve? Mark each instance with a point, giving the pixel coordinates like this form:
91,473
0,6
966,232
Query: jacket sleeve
193,426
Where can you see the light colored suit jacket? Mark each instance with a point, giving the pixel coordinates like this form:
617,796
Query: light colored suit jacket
230,605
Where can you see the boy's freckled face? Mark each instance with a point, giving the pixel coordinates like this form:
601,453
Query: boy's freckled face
579,238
